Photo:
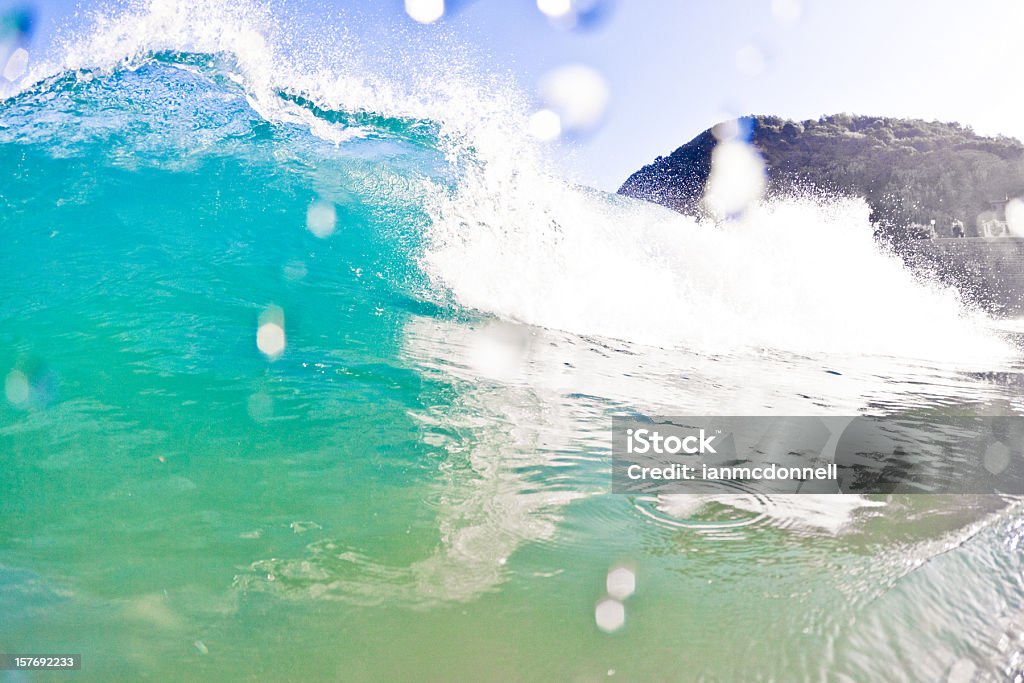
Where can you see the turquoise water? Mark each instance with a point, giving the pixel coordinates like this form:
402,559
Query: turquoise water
412,483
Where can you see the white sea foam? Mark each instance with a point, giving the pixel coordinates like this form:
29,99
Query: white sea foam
797,275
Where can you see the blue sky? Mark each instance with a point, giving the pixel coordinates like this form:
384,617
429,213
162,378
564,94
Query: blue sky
674,67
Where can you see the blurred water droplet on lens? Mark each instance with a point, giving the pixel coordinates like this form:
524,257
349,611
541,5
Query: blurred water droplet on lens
729,129
321,219
578,94
295,270
786,11
16,387
555,9
573,15
16,65
545,125
962,671
610,615
737,179
1015,217
260,406
270,339
997,457
750,60
424,11
18,23
497,351
621,583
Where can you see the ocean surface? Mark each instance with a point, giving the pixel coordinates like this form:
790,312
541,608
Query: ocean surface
309,377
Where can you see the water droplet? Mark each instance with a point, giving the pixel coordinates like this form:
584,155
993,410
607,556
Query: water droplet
997,457
16,65
16,387
962,671
1015,217
610,615
321,219
737,178
497,351
270,339
578,94
545,125
424,11
555,9
260,406
621,583
295,270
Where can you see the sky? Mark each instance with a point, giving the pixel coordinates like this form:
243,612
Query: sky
674,68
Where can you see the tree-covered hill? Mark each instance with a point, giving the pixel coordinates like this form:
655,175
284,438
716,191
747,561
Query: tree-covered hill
909,171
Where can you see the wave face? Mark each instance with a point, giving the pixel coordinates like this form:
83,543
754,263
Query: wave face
290,338
442,175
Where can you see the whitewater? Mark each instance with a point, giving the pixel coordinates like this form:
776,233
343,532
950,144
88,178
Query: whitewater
308,349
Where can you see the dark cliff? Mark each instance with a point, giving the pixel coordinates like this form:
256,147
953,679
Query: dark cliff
909,171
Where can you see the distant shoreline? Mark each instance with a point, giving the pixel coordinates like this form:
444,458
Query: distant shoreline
916,176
